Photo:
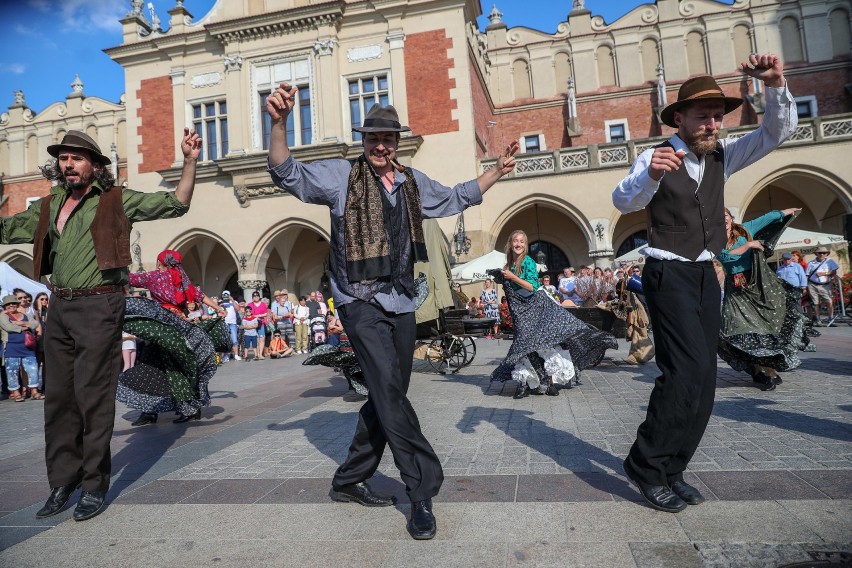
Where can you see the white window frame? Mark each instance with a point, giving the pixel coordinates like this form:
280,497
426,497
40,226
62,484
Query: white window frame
345,86
257,85
204,119
541,145
30,200
812,102
616,122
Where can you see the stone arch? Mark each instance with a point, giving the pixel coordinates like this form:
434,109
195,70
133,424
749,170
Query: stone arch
825,199
574,239
838,25
292,255
19,260
209,261
650,52
521,80
626,226
791,38
696,52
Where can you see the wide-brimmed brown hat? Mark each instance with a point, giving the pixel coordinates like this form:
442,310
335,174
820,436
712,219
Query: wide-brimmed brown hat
703,88
77,139
10,299
381,119
821,249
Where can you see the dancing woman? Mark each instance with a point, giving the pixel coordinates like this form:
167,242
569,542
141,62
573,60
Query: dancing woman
178,359
762,321
550,345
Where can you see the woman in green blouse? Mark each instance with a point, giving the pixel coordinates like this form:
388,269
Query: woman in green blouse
550,345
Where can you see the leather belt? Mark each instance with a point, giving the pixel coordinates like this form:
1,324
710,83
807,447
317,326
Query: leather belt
70,293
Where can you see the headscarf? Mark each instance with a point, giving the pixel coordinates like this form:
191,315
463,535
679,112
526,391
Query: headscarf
184,290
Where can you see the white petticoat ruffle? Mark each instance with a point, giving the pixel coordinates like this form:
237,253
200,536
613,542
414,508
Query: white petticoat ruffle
559,365
525,374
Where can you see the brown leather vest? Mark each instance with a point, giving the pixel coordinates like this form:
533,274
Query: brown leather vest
685,218
110,230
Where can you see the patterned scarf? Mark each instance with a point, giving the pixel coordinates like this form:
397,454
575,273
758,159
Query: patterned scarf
184,290
365,225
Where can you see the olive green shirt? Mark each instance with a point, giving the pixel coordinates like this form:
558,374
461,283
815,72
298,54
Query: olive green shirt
72,254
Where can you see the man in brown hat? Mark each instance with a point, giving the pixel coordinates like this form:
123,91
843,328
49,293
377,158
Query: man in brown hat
81,237
820,273
376,236
680,184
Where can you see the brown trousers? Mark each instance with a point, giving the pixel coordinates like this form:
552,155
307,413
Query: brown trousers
82,350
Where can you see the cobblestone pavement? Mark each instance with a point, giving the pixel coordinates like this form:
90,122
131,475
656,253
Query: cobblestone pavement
531,482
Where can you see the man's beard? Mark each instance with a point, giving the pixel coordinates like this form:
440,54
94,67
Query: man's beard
701,147
81,181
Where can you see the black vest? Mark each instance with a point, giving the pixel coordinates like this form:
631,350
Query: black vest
685,218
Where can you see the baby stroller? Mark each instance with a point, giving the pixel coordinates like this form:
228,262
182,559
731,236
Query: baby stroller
316,332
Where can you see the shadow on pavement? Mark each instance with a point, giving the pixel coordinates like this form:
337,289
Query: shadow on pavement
753,410
566,450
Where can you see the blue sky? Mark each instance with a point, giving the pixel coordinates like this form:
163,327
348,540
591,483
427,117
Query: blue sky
45,43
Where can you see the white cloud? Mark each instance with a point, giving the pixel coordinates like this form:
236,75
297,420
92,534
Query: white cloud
88,15
14,68
21,29
40,5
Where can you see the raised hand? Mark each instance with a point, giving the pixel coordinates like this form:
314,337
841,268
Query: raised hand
280,103
664,160
506,161
791,211
191,144
767,67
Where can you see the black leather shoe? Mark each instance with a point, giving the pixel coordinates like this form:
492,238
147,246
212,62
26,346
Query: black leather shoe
362,494
522,391
687,492
195,416
552,390
659,497
145,418
763,381
58,498
421,525
90,505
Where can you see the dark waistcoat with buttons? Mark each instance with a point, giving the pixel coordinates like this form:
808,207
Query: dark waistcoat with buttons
686,218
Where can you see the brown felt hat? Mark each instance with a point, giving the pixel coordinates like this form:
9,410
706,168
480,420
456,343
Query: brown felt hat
77,139
703,88
381,119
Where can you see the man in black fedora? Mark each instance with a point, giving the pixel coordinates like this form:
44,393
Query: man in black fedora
680,184
81,237
376,236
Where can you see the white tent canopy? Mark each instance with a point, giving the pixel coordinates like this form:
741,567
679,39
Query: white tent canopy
791,239
11,279
474,271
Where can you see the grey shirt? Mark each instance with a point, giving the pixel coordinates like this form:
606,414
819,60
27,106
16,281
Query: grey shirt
326,182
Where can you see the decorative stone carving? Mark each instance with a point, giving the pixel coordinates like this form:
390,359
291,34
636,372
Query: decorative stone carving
4,119
598,24
178,76
136,8
579,5
206,80
396,40
650,15
324,46
496,16
136,251
233,63
686,9
251,284
364,53
19,99
245,193
77,86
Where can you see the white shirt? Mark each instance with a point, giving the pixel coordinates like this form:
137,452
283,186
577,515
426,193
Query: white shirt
636,190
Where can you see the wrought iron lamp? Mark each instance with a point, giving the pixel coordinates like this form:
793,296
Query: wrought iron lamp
460,239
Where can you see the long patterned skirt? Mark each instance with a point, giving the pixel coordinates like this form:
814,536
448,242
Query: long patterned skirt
546,337
174,362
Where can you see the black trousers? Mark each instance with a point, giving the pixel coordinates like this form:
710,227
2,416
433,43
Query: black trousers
684,302
82,350
384,346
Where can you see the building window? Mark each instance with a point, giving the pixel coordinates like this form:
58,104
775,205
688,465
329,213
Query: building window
806,107
210,121
30,201
533,143
268,76
364,92
299,128
617,130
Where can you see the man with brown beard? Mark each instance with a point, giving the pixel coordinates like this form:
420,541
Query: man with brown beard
680,184
81,237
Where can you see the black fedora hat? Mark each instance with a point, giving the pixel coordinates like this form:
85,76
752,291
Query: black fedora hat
703,88
77,139
381,119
